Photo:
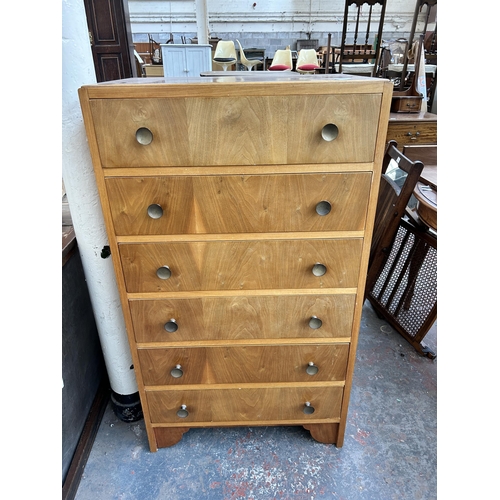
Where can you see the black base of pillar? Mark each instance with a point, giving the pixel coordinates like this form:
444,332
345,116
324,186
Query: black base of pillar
127,407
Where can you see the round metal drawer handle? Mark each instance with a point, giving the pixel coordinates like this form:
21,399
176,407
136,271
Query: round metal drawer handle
315,323
312,369
323,207
155,211
163,273
319,269
144,136
182,412
171,326
329,132
177,372
308,409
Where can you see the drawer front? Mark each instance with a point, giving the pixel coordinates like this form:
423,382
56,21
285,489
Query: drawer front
241,265
245,405
246,130
239,203
412,133
243,364
248,317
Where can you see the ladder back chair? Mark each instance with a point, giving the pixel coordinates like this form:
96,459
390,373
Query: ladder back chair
366,44
431,7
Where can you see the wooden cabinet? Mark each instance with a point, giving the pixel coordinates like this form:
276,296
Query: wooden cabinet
239,215
186,59
412,128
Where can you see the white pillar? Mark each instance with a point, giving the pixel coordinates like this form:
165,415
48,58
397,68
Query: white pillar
83,199
202,21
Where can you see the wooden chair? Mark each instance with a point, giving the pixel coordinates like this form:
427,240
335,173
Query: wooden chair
366,51
401,281
431,4
394,195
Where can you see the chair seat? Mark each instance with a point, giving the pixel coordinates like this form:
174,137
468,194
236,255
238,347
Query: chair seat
279,67
308,67
224,59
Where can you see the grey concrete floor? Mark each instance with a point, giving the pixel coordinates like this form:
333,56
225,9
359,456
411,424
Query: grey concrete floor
389,451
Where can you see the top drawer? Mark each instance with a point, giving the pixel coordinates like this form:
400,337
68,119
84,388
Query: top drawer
412,133
247,130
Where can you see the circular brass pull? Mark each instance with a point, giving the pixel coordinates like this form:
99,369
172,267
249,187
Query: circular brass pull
315,323
171,326
323,207
329,132
163,272
308,409
155,211
144,136
319,269
177,372
182,412
312,369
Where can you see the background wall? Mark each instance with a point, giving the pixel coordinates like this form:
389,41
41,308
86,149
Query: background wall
270,25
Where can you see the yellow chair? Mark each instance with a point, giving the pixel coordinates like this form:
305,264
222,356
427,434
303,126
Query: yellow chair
249,63
225,54
307,61
282,60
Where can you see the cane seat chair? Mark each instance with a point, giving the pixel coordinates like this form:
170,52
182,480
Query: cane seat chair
401,281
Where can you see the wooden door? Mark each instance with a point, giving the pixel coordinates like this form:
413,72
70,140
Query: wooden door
110,38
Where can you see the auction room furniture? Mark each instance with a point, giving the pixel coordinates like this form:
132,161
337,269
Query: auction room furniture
402,276
412,128
186,59
361,47
427,154
251,61
139,64
239,218
430,6
307,61
282,61
393,197
153,70
225,54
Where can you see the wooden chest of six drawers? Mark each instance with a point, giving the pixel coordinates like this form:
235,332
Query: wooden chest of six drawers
239,217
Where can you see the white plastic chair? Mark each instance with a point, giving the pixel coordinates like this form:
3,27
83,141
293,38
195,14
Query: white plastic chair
249,63
282,60
225,54
307,61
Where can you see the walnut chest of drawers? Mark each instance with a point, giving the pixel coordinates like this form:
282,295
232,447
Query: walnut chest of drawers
239,213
